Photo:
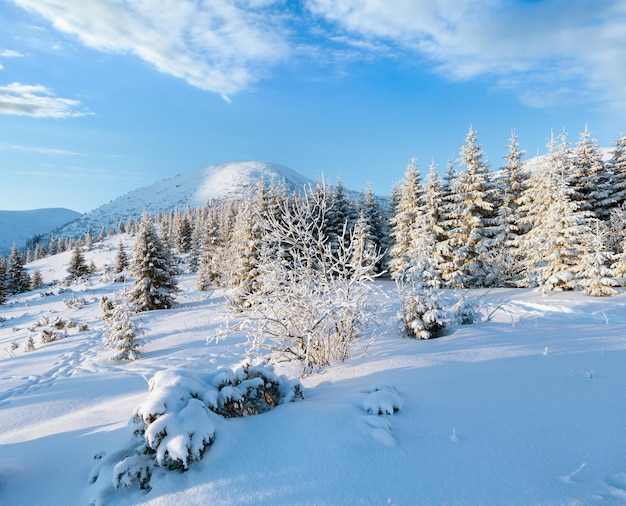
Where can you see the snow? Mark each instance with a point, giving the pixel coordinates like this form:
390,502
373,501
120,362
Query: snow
19,226
525,407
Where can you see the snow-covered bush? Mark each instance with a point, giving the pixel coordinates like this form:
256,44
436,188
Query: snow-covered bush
310,300
464,310
421,314
29,344
173,427
75,303
49,336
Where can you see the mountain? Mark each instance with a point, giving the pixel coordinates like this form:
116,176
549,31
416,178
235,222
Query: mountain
194,189
19,226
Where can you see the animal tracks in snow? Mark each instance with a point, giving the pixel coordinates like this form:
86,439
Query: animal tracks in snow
376,402
617,485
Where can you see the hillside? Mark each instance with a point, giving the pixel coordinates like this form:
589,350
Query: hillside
19,226
193,188
526,407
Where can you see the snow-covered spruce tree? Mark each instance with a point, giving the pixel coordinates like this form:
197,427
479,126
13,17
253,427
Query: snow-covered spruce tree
590,178
121,259
378,224
342,214
210,268
121,330
18,280
617,168
505,257
183,233
425,253
535,203
3,280
559,241
36,280
421,314
155,282
77,268
247,240
364,250
88,240
619,267
595,277
312,303
406,211
473,214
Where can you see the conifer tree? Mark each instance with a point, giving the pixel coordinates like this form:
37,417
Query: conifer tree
210,270
619,267
3,280
364,251
184,232
473,208
121,330
77,268
505,257
155,282
425,259
88,240
374,215
121,259
595,277
341,215
52,245
560,249
617,168
18,280
535,204
406,212
591,179
36,280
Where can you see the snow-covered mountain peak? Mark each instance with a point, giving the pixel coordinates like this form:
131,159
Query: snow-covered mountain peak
194,188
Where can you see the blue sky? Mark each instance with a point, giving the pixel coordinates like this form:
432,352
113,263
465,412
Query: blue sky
100,97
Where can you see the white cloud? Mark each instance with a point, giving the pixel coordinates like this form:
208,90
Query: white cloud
537,48
36,101
216,45
9,53
39,150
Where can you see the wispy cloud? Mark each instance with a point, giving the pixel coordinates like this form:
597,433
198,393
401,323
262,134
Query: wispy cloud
40,150
9,53
36,101
543,50
216,45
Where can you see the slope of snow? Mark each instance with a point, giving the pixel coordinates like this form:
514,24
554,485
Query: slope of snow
194,189
527,407
19,226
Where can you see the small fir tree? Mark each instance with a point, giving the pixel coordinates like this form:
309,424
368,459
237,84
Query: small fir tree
121,259
155,282
36,280
595,277
3,280
18,280
121,331
77,268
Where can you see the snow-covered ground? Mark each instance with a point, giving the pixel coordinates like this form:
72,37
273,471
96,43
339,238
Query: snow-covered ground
527,407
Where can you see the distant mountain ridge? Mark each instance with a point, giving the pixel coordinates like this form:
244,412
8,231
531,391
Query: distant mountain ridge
20,226
194,189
